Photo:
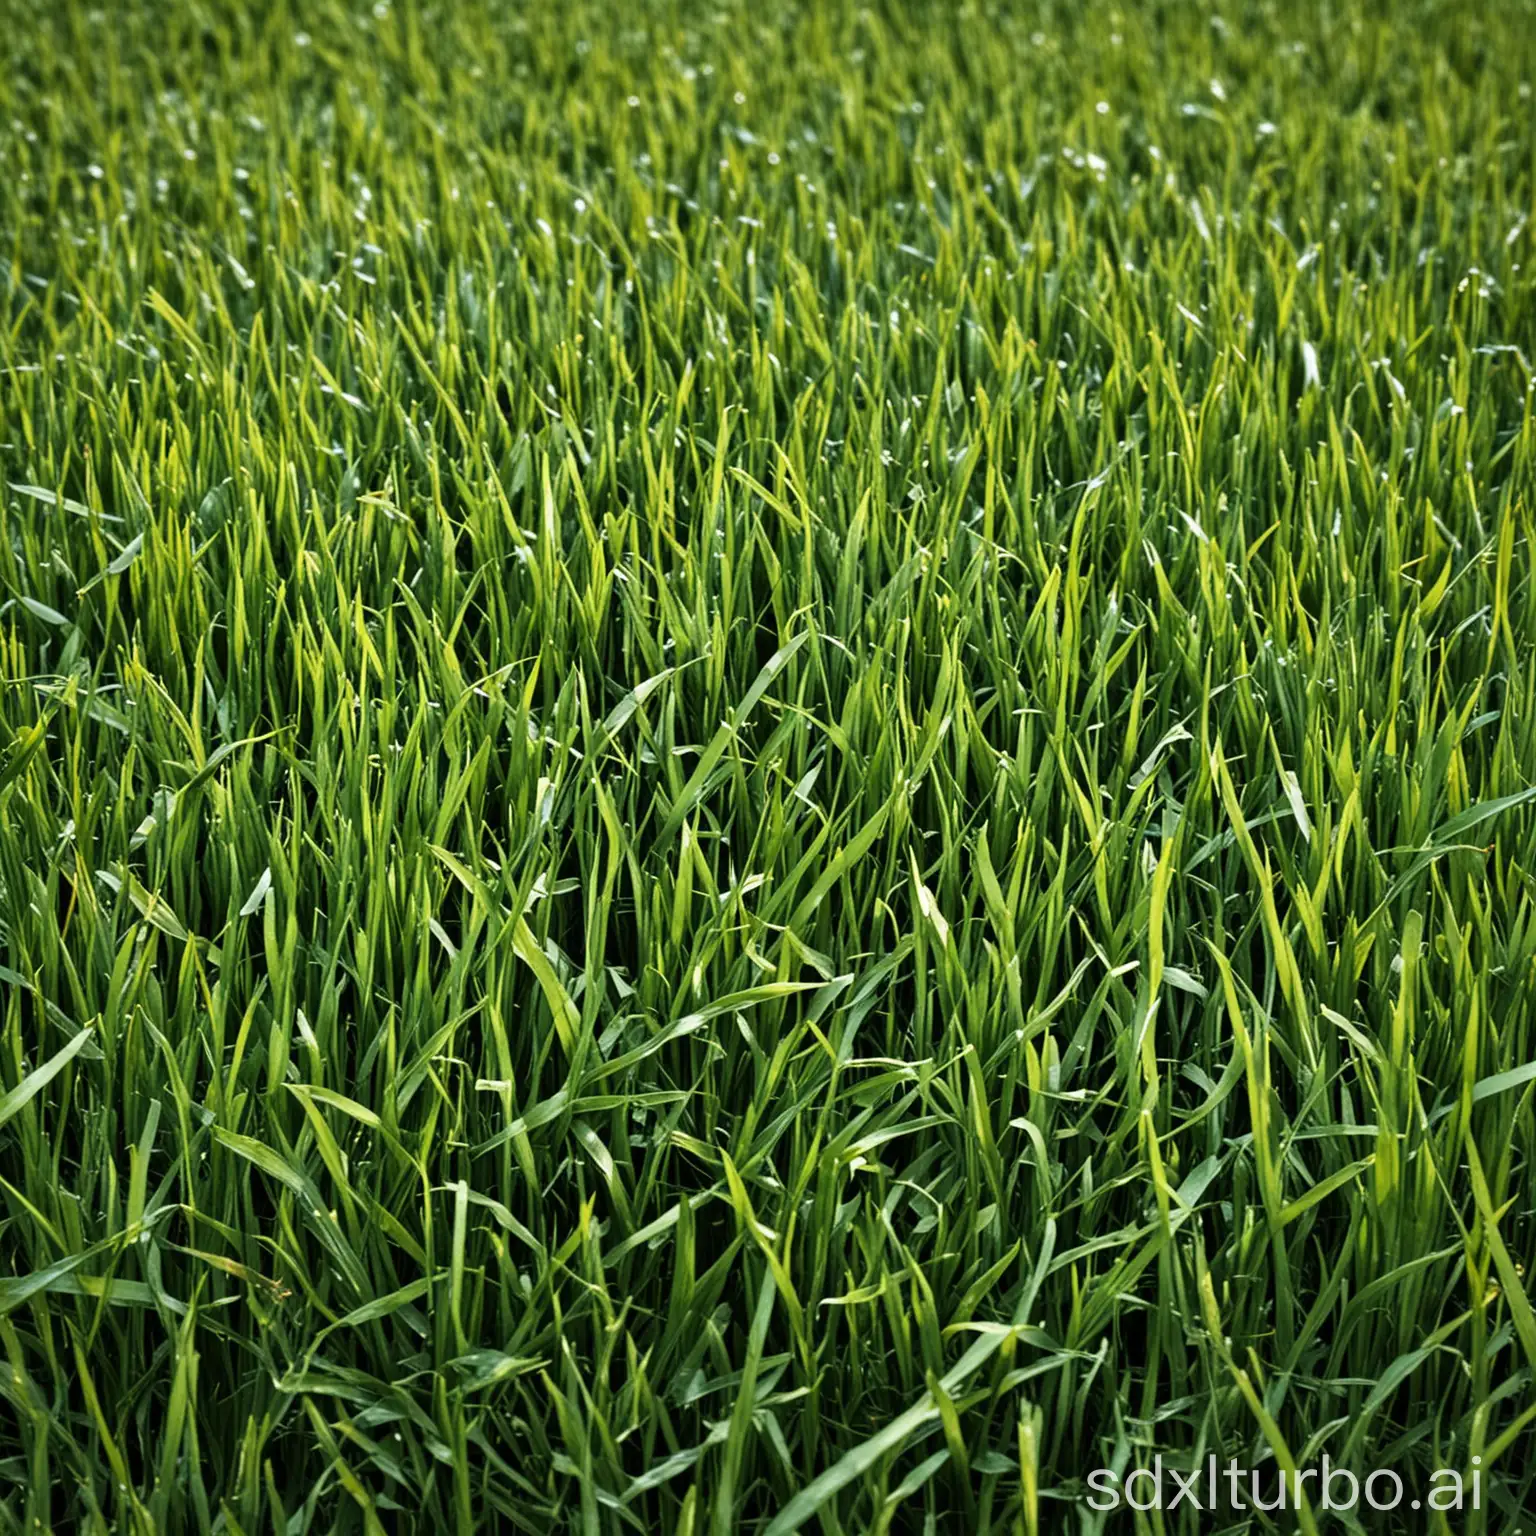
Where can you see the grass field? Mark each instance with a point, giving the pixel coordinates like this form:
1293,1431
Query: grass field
764,767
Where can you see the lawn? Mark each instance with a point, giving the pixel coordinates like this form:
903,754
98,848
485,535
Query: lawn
766,767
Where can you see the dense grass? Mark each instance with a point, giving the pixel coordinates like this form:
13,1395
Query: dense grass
763,767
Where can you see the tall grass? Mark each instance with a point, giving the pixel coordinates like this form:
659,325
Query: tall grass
763,768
